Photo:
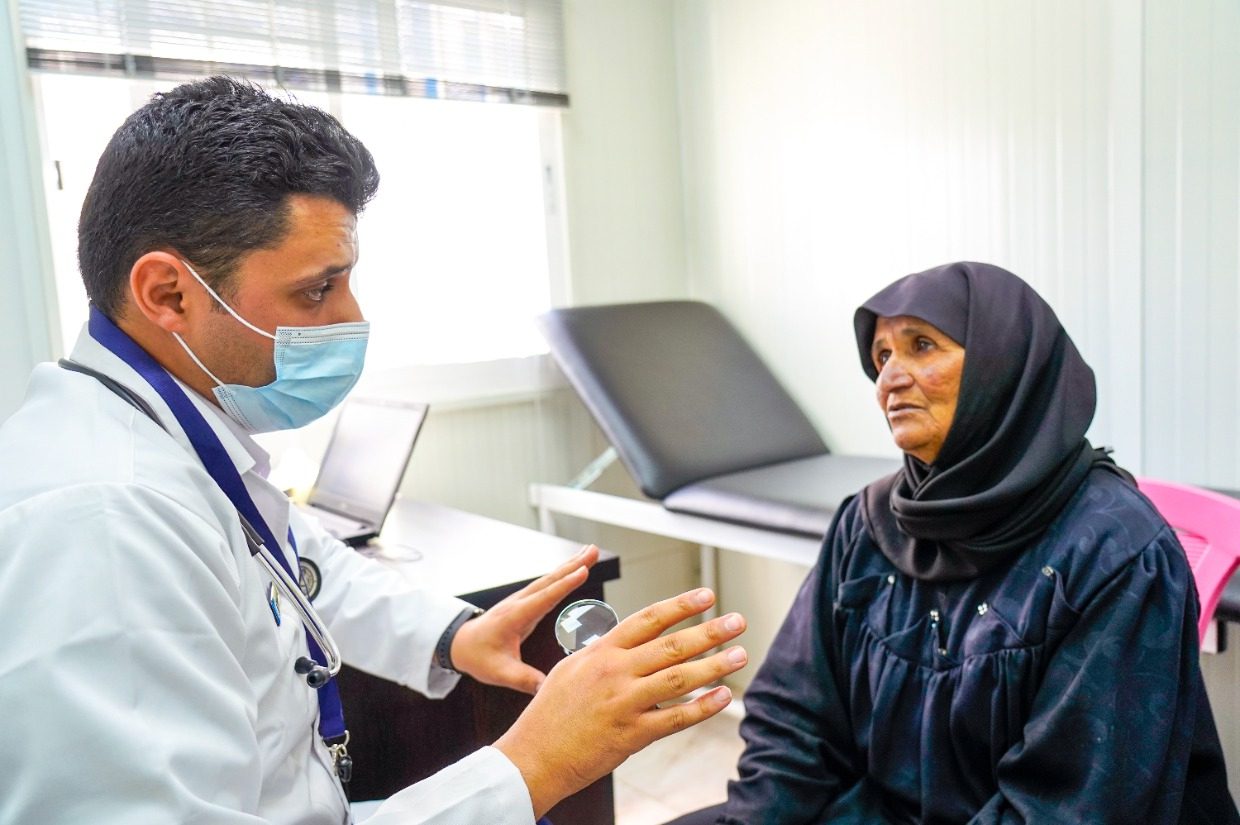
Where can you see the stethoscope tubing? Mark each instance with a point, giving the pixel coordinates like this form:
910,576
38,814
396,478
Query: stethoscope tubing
305,611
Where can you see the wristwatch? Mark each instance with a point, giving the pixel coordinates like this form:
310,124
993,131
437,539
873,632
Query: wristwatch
443,650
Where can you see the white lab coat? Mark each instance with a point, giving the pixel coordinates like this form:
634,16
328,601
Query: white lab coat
143,678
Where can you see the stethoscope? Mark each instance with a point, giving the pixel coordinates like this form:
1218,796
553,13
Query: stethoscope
316,675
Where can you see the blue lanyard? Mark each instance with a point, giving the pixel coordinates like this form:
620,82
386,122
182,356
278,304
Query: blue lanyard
220,466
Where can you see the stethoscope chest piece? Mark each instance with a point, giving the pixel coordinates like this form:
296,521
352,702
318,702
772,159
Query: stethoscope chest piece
309,578
584,622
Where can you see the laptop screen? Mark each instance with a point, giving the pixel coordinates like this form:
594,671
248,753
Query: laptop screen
367,456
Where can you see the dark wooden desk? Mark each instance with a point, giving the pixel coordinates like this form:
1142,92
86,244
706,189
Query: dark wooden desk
399,737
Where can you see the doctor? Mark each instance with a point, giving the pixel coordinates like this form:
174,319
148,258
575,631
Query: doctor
151,667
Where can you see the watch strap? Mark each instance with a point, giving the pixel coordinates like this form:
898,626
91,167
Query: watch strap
443,650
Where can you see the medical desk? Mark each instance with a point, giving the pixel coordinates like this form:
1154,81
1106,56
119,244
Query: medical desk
398,736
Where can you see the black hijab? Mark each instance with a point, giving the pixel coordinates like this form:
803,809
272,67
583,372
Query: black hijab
1016,450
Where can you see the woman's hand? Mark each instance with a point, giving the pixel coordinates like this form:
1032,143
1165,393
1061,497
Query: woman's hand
488,648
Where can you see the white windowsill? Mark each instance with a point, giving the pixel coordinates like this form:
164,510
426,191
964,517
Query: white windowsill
466,386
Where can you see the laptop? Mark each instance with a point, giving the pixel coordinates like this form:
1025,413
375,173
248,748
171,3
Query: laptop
362,468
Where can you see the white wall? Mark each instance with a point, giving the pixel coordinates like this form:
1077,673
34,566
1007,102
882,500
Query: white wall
832,147
1093,148
622,152
1191,249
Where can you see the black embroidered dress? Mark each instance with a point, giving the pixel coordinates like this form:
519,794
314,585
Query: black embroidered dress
1063,688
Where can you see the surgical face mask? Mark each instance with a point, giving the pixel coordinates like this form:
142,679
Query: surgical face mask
315,369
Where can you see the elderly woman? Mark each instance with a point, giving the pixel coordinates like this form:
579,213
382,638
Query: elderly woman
1004,631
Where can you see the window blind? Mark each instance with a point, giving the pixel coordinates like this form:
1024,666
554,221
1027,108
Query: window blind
490,50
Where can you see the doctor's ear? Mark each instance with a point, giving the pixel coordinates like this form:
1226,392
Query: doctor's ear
160,290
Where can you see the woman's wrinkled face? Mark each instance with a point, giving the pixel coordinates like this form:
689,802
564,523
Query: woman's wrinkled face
919,370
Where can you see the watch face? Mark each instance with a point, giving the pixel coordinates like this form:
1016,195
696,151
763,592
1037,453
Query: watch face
583,622
309,579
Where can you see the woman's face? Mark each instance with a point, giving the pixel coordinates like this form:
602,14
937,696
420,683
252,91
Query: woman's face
918,383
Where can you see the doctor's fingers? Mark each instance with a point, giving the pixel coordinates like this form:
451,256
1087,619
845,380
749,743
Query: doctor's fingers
676,681
585,558
523,610
674,648
650,622
533,606
660,722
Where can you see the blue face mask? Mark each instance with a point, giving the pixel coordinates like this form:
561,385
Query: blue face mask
315,369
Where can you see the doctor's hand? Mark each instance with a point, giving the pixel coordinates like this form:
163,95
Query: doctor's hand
600,705
488,648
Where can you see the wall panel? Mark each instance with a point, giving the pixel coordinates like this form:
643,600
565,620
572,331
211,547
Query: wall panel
832,147
1191,247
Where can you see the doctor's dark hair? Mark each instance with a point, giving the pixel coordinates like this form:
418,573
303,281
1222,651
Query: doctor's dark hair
206,170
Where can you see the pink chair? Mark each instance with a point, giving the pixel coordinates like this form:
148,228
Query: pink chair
1208,526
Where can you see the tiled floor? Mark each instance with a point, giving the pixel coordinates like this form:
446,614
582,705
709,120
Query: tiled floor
681,773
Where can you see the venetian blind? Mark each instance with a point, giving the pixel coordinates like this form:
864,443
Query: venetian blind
501,50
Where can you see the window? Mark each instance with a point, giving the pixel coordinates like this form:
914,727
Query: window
454,250
459,250
463,245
